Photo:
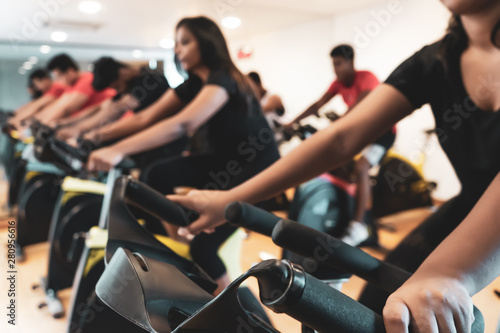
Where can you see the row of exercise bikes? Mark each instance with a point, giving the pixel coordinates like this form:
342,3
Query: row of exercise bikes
127,278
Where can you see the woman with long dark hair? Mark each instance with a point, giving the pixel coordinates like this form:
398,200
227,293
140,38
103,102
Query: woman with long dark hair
217,97
458,76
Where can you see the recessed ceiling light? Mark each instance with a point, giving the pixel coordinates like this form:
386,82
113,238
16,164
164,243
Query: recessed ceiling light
45,49
22,71
33,60
167,43
136,53
27,65
90,7
59,36
231,22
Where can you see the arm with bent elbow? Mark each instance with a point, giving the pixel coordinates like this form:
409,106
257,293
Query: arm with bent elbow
168,105
64,106
109,112
437,296
30,109
313,109
209,100
324,151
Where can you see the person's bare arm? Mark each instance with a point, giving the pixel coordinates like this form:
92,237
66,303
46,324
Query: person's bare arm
274,103
30,109
108,112
313,109
209,100
361,96
168,105
65,105
324,151
437,296
82,115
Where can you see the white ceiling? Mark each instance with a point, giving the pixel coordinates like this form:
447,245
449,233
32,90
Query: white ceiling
141,24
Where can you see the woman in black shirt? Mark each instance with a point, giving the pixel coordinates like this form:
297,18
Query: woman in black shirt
217,97
458,76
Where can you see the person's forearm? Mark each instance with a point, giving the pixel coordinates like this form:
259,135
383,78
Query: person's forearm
82,117
153,137
33,107
99,119
313,109
471,254
51,113
120,128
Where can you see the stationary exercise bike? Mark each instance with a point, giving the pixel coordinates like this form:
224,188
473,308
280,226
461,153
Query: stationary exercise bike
123,230
155,305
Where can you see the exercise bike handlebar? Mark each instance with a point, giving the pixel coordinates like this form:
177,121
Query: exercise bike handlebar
286,288
155,203
251,217
328,250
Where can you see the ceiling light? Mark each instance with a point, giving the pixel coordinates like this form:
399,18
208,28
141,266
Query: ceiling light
27,65
90,7
22,71
45,49
167,43
231,22
33,60
136,53
59,36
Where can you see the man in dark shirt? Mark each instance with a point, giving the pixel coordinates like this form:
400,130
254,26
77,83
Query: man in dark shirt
137,89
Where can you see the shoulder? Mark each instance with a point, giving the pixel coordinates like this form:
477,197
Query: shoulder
223,79
366,74
86,77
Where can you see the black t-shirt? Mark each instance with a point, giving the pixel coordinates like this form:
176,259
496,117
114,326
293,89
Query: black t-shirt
470,136
238,131
147,88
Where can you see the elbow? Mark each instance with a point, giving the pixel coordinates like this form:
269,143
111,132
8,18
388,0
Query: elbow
187,128
343,145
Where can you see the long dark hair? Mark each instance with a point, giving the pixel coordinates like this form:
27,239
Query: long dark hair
213,49
455,40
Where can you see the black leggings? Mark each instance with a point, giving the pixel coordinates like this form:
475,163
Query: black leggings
205,171
413,250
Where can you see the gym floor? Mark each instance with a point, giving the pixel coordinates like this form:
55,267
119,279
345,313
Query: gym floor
32,319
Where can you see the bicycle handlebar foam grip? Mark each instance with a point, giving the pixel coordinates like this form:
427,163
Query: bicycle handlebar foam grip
156,204
286,288
251,217
330,251
327,310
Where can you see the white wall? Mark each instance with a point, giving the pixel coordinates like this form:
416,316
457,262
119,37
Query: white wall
295,63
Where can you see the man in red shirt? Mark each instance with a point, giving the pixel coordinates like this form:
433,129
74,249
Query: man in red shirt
353,86
80,94
50,91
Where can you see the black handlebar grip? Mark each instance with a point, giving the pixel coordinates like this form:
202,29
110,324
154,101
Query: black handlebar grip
327,250
156,204
325,309
311,301
251,217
